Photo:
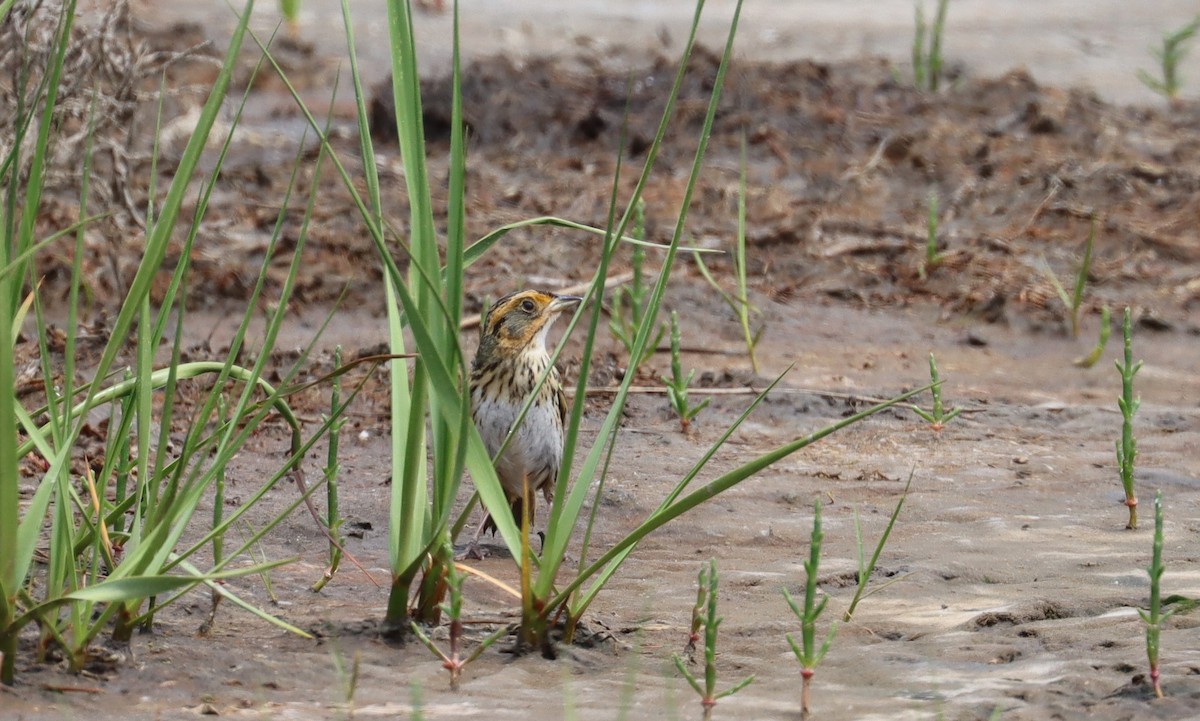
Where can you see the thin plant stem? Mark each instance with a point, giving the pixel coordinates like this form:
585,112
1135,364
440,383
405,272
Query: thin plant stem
933,258
1127,445
678,384
807,652
333,519
709,619
1155,616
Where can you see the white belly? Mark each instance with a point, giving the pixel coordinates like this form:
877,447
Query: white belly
533,455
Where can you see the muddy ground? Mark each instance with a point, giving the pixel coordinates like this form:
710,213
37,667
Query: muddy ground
1019,581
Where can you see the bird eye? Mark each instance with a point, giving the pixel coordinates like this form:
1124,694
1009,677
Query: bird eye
528,306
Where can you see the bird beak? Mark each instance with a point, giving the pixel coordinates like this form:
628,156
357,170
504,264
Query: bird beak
564,302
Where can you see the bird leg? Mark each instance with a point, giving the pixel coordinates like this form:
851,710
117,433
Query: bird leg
473,549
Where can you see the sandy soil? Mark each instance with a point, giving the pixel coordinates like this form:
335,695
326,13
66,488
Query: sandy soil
1019,582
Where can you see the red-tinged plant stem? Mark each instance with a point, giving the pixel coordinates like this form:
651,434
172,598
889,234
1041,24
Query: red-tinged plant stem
1155,617
806,676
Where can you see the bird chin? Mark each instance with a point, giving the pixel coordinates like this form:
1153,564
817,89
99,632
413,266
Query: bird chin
539,340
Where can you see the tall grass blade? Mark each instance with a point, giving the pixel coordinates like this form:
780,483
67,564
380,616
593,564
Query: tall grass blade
558,531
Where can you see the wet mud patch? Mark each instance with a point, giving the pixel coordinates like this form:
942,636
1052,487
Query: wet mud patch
1041,610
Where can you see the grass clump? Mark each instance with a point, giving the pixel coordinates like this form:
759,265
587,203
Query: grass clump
807,652
1127,445
116,553
678,384
571,598
705,615
1172,52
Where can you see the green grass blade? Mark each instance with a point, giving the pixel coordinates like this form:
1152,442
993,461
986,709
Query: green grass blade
558,535
456,227
481,246
1056,284
866,569
146,586
34,183
1084,267
602,578
9,475
159,238
16,263
558,510
446,488
723,483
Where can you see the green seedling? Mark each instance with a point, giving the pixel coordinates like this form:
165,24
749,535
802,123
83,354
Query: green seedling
697,614
739,302
1092,358
452,659
418,703
348,677
568,694
678,384
937,417
1155,616
629,307
1074,300
333,517
927,63
708,692
866,568
1174,49
1127,445
807,652
290,10
933,258
629,688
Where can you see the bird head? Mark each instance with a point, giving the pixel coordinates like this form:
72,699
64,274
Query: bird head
519,322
